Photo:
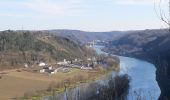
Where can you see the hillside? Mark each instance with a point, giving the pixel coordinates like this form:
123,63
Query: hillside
150,45
83,37
17,48
141,41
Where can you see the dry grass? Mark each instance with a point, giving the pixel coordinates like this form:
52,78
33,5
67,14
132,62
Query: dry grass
16,83
14,86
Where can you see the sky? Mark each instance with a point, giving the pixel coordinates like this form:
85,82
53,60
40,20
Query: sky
87,15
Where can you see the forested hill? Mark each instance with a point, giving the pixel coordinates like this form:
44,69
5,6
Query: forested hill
82,37
141,42
17,48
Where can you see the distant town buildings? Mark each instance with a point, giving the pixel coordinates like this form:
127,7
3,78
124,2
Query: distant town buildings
65,65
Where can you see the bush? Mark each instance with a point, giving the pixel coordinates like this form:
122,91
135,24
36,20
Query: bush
117,89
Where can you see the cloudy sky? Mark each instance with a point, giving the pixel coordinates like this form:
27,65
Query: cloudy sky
88,15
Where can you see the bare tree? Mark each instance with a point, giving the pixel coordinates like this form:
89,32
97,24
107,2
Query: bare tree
161,12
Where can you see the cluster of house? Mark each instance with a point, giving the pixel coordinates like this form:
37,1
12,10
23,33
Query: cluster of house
52,69
66,66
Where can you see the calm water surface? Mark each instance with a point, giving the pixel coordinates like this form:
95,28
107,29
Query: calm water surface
143,77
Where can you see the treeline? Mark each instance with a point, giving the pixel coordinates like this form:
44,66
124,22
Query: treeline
110,62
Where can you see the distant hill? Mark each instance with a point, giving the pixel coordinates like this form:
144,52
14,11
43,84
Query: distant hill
17,48
83,37
148,41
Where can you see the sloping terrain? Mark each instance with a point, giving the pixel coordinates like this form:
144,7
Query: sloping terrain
83,37
148,41
17,48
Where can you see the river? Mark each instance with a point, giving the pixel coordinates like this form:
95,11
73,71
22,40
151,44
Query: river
143,77
143,82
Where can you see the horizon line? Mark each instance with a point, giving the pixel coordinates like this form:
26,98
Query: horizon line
83,30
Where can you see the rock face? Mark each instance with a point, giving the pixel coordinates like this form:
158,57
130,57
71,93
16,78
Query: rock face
151,45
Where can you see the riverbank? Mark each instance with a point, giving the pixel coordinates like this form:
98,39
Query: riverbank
143,77
162,65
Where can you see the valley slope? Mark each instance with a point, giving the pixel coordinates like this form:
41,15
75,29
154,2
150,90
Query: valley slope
20,47
82,37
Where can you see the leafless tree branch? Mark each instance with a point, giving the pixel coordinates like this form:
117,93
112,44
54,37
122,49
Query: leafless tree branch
161,13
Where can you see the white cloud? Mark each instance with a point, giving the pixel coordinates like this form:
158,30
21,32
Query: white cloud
44,6
55,8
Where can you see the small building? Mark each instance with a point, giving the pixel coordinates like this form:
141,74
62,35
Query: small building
41,64
64,62
52,73
26,65
76,60
50,68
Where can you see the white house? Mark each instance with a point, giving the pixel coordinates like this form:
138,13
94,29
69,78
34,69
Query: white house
50,68
75,60
41,64
26,65
65,60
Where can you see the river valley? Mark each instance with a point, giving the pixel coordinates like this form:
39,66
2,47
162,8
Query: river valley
143,82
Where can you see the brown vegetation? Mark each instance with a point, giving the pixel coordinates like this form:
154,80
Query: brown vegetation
30,84
18,48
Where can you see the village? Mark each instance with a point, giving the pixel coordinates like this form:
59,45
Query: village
67,65
88,63
42,75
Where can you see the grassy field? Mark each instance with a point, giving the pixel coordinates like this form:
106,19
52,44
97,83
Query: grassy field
15,84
